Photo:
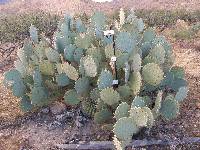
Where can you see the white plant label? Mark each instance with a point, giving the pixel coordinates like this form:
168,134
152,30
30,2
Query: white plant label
115,82
109,32
113,59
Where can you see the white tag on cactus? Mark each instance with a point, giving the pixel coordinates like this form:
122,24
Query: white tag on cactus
113,58
109,32
115,82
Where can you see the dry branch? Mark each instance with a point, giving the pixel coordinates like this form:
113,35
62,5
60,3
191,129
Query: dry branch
100,145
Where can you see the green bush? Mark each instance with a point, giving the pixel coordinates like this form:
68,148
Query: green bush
167,18
14,28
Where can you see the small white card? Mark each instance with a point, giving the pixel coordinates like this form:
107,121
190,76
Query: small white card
109,32
113,58
115,82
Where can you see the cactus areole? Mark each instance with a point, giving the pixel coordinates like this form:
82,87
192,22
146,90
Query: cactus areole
122,75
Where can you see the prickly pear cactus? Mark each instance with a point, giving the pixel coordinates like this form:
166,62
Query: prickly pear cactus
125,78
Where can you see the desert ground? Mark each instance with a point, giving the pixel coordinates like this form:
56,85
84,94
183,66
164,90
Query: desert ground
43,129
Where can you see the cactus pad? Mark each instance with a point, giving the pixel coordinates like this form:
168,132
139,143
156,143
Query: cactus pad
62,80
139,115
90,66
82,85
95,94
105,79
102,116
125,42
33,34
124,128
39,96
152,74
71,98
25,104
169,108
47,68
52,55
109,96
135,82
122,110
70,71
69,52
125,92
138,102
136,62
181,94
78,53
157,106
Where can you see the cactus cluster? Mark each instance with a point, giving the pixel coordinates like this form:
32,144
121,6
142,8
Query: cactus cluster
78,67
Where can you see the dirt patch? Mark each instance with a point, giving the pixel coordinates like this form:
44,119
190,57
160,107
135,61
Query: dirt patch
88,6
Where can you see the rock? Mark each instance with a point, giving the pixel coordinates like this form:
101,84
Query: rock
45,110
53,125
57,108
80,121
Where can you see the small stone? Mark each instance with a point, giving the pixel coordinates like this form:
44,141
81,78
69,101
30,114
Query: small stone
57,108
80,121
45,110
61,117
54,125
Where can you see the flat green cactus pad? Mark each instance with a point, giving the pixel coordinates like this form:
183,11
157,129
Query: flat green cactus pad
139,115
47,68
105,79
102,116
122,110
125,42
90,66
18,88
138,102
78,53
39,96
33,34
25,104
98,20
83,41
109,96
71,98
152,74
136,62
124,128
95,94
135,82
181,94
82,85
70,71
125,92
12,75
157,106
69,52
52,55
62,80
150,121
21,67
169,108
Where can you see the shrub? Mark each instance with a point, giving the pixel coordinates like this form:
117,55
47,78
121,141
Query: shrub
129,82
14,28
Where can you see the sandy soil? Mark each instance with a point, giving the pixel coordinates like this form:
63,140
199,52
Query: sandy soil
88,6
32,131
